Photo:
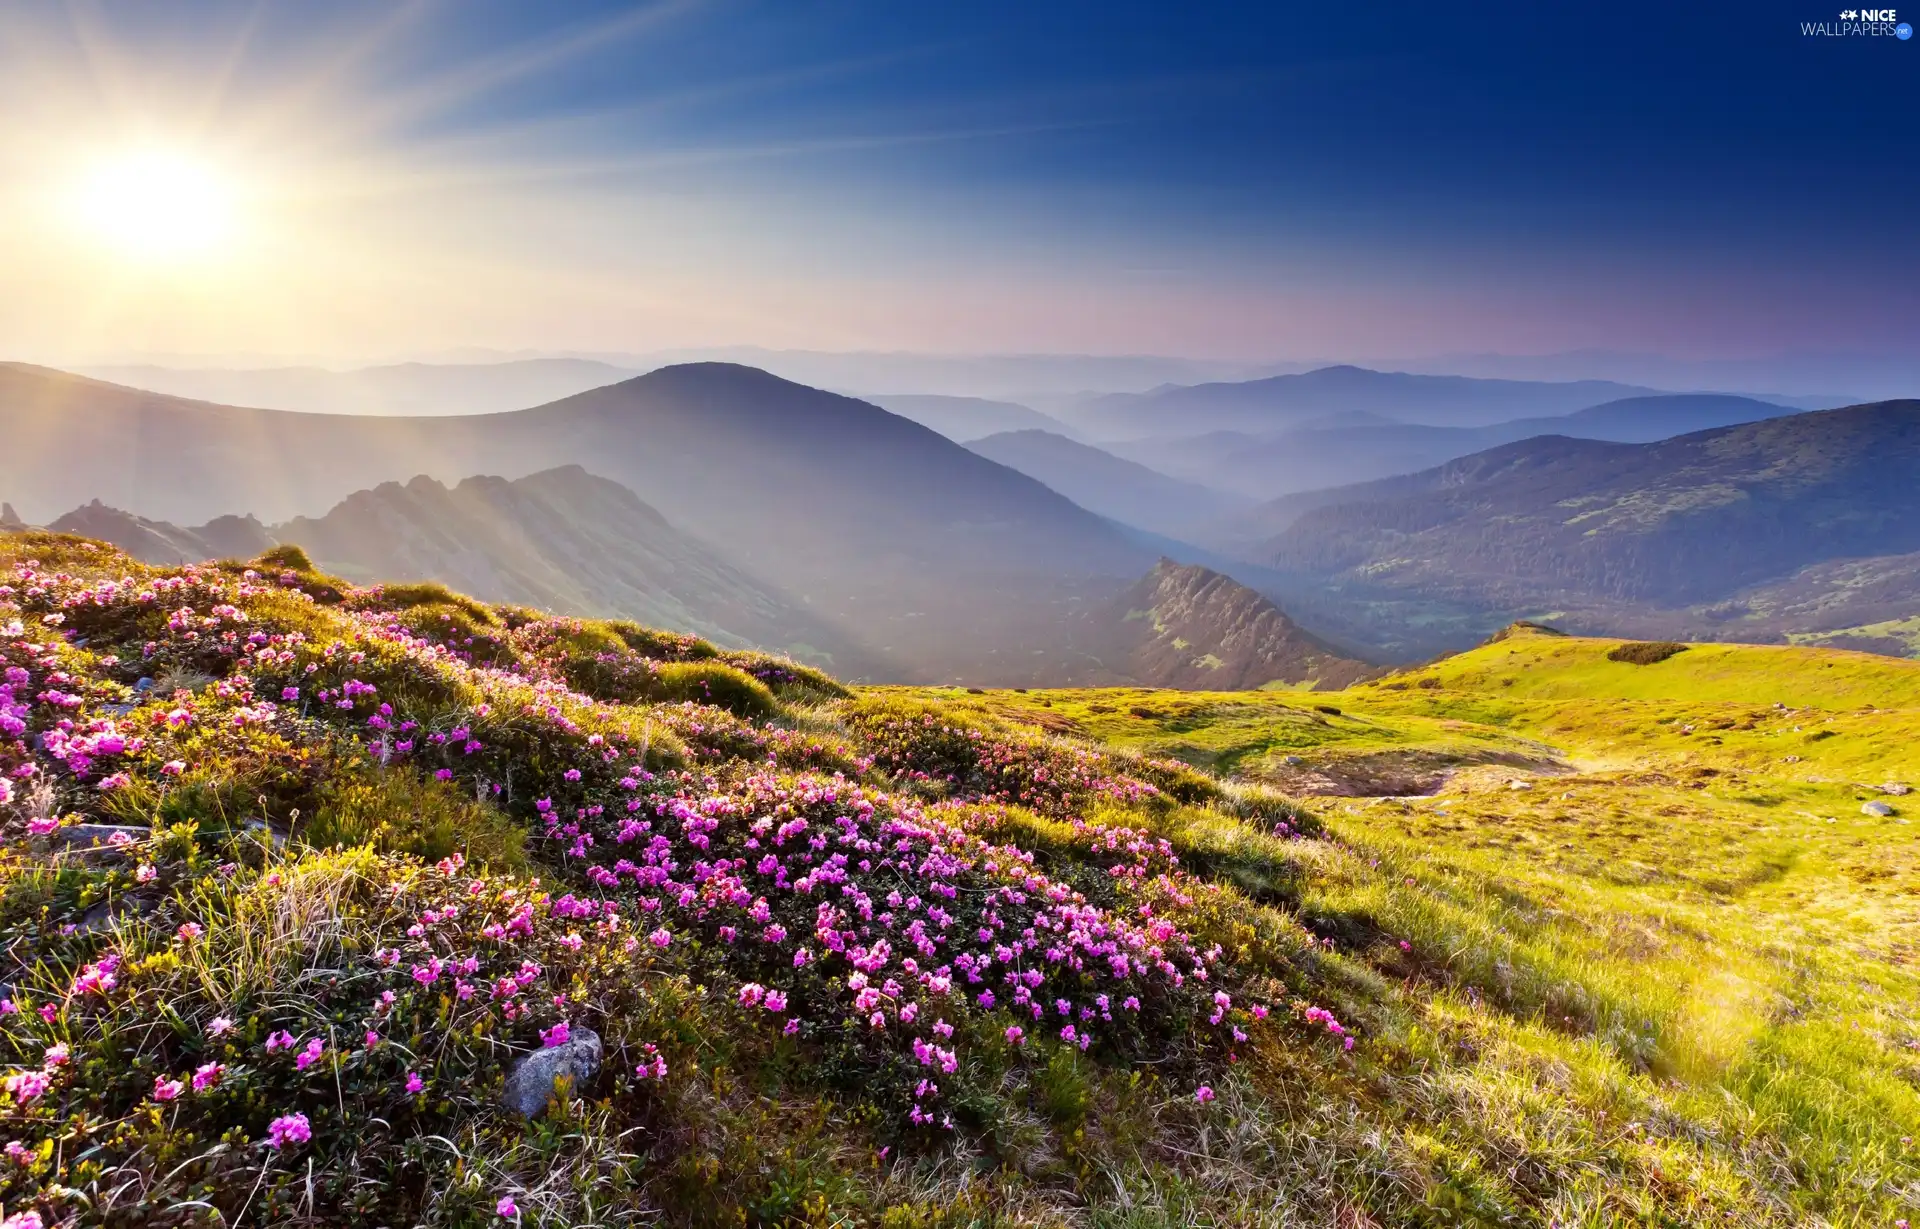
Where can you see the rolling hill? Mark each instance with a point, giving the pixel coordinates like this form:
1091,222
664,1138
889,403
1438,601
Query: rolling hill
1101,482
1679,534
888,530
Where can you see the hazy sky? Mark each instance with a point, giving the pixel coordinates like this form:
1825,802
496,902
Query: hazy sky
1245,181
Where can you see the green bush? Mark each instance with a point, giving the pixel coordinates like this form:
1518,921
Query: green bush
712,682
664,645
286,555
787,678
1645,652
433,593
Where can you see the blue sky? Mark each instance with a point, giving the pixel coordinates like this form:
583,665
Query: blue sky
1272,181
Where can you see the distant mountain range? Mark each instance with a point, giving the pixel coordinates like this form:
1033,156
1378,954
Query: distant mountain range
1361,446
472,380
725,500
966,418
1794,525
1103,483
1289,401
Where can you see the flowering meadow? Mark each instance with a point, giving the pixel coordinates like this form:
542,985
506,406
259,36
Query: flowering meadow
335,905
297,872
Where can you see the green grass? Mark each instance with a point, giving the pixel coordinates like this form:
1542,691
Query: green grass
1673,980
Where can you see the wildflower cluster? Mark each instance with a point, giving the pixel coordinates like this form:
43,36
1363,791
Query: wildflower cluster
863,905
971,761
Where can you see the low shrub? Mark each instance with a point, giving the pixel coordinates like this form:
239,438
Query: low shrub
1645,652
712,682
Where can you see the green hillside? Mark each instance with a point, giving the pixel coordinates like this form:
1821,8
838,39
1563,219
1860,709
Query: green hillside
1649,929
1796,526
303,883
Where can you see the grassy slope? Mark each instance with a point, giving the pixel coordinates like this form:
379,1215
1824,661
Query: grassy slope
1683,955
1658,987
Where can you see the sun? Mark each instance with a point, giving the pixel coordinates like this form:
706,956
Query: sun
156,205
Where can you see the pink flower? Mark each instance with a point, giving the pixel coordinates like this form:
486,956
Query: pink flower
98,977
653,1064
1014,1034
23,1220
556,1036
165,1089
414,1082
311,1055
1203,1094
173,768
661,938
190,931
289,1129
218,1026
208,1076
18,1153
507,1208
56,1055
27,1085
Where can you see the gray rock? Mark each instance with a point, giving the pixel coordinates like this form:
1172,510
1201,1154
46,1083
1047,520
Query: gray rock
105,916
275,837
1292,761
1880,809
531,1083
1896,789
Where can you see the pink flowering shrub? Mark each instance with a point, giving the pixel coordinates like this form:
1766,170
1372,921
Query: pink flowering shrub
965,759
330,952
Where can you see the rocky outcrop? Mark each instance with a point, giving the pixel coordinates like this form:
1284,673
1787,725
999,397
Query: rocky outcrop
558,1071
1187,626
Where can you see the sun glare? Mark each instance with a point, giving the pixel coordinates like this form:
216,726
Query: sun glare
156,205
